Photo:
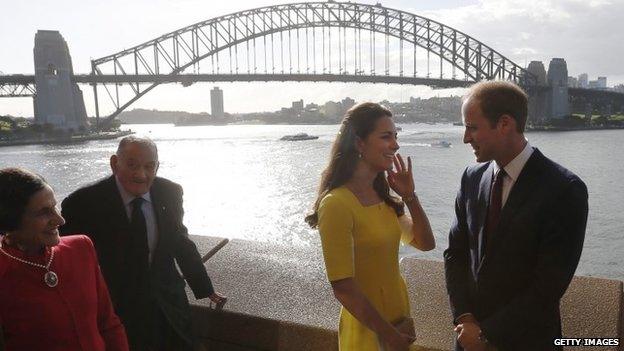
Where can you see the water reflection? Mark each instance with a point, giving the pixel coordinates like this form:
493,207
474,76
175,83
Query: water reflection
242,182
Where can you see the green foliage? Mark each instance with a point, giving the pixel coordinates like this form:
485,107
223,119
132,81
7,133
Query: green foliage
619,118
616,120
572,121
5,126
600,120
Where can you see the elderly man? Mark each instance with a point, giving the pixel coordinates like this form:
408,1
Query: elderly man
135,221
518,231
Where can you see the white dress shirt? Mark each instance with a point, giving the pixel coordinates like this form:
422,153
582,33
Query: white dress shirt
513,170
148,212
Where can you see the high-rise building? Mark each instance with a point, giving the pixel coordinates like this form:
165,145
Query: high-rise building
583,80
602,82
216,103
297,106
572,82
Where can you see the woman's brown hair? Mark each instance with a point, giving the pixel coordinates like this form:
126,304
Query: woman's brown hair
359,122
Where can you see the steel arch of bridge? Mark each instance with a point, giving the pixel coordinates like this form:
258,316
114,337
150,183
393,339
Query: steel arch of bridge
174,52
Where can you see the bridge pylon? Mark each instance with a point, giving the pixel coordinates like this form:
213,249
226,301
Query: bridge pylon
58,101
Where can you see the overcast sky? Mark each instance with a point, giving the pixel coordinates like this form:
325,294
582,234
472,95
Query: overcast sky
587,33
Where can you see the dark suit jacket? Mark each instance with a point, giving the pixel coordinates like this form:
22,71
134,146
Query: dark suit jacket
513,286
98,211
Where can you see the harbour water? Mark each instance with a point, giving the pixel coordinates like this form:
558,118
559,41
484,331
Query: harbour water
240,181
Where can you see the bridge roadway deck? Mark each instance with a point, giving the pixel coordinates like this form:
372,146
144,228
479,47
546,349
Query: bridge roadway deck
247,77
17,79
188,79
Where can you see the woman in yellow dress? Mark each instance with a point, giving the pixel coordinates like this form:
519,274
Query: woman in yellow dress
361,226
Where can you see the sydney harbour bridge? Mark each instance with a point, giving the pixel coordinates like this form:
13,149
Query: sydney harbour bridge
301,42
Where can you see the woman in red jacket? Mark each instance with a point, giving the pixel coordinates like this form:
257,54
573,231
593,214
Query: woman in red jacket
52,294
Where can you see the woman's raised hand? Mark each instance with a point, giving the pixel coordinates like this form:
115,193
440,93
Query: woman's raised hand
400,178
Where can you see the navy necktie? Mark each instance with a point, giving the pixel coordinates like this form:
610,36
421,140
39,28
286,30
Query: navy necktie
139,231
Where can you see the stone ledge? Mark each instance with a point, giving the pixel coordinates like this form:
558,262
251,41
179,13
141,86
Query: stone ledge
279,299
592,307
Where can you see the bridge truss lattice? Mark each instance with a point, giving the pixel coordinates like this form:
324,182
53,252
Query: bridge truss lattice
329,41
16,86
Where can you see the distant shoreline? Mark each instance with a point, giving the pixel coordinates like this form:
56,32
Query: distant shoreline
114,135
570,129
528,128
241,123
71,140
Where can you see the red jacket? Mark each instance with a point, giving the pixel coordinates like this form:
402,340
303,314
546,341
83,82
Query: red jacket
77,314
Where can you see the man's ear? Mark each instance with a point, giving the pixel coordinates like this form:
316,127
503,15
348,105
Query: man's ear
506,123
113,163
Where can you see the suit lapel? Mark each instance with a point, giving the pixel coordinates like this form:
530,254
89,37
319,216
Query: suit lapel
483,204
160,212
114,204
116,221
520,193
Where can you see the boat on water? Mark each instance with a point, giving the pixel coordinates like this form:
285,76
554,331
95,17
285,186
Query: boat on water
441,143
299,137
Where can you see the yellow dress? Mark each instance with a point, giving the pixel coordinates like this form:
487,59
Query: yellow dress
362,242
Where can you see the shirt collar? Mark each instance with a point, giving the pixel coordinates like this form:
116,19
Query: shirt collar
126,197
516,165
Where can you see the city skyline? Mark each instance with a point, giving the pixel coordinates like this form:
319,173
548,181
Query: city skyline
521,30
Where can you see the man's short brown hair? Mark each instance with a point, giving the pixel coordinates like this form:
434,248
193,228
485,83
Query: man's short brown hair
497,98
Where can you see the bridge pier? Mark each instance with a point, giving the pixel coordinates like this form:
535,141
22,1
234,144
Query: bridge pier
558,93
538,106
538,99
549,99
58,101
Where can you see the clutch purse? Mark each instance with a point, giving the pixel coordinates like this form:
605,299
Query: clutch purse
404,325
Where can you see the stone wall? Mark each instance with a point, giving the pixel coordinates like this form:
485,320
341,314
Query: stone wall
279,299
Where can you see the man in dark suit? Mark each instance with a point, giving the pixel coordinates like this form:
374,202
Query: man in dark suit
518,232
135,221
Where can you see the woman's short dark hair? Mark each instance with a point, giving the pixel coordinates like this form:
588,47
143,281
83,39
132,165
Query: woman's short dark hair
17,186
